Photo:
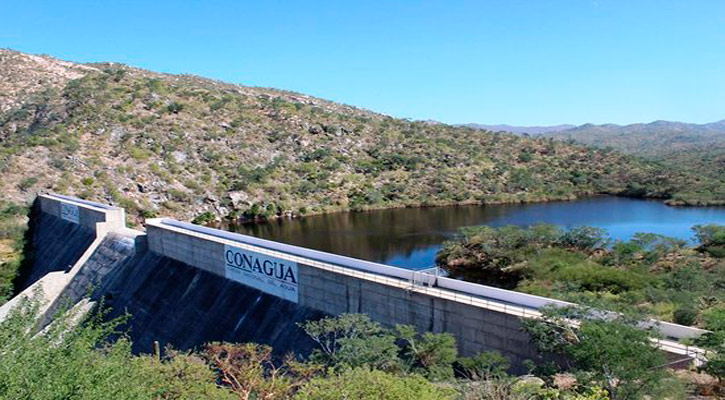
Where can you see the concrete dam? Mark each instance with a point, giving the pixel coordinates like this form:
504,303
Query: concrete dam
186,285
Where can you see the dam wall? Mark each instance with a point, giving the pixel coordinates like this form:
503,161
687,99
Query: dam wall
183,306
186,285
61,231
335,285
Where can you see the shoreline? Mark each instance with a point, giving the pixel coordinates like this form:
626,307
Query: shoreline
225,222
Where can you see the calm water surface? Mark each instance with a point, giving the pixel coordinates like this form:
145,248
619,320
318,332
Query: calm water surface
410,237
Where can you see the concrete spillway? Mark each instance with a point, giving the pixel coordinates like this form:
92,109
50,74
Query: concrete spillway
186,285
175,303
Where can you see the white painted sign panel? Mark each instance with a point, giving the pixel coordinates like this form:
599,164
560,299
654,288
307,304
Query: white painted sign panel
70,213
269,274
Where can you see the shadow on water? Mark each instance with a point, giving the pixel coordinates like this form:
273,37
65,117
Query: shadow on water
411,237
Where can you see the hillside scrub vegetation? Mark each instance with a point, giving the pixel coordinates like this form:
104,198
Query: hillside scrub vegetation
75,358
12,241
204,151
698,149
614,354
653,274
189,147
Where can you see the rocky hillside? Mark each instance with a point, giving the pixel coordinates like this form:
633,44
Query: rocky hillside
190,147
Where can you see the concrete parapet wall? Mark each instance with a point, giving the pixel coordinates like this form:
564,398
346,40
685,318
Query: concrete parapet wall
207,255
89,214
476,329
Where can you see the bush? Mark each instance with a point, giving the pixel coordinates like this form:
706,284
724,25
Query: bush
581,274
248,371
175,107
685,316
139,154
148,214
10,210
714,319
366,384
585,238
27,183
614,354
204,218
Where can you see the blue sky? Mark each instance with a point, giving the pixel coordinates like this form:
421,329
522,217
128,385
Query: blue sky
534,62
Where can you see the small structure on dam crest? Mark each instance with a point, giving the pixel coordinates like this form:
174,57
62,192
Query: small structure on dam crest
185,285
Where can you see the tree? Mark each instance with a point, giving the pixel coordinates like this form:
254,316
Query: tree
711,238
488,255
714,343
73,359
247,369
709,234
366,384
67,360
353,340
585,238
430,354
484,366
613,353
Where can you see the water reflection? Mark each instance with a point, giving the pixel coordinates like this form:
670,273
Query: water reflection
410,237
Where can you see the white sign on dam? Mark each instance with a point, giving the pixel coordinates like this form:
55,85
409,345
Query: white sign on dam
269,274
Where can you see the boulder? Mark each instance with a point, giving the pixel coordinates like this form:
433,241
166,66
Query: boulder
240,199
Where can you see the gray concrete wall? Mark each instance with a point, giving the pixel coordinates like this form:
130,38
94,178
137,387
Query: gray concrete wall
206,255
56,243
476,329
90,214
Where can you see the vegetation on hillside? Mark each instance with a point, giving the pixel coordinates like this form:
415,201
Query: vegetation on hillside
654,274
201,150
356,358
696,149
615,354
707,166
189,147
652,140
12,230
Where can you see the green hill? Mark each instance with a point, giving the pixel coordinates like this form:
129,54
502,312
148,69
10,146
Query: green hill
190,147
655,139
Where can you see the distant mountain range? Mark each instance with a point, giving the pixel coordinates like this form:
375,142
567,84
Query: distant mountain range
531,130
654,139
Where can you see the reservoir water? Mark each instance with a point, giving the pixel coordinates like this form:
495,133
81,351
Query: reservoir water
411,237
